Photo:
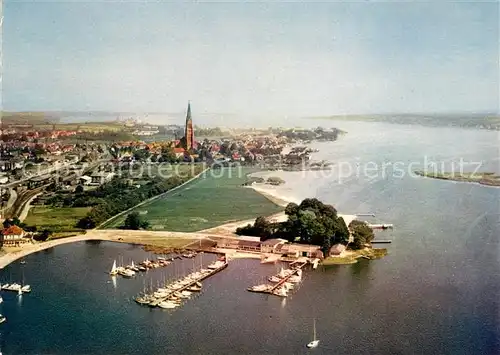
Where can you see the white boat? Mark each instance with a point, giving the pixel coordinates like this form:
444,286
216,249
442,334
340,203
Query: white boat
274,279
167,305
262,287
281,291
114,269
2,319
1,299
26,288
132,267
186,293
14,287
127,273
314,343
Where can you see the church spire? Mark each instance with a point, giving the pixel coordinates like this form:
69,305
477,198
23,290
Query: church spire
189,131
188,116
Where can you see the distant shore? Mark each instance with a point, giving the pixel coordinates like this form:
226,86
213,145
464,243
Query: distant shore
486,179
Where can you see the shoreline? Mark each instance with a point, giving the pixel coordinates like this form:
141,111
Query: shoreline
459,179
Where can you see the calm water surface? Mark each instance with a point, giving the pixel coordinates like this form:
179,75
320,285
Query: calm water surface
435,293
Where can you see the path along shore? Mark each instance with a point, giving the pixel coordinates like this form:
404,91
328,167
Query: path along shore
145,237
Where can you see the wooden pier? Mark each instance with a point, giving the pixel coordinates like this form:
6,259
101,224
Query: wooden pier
365,214
381,226
190,284
384,241
296,266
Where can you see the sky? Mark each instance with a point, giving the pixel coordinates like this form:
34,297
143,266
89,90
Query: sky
305,59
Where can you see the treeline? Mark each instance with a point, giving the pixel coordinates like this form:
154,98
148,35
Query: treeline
311,222
209,132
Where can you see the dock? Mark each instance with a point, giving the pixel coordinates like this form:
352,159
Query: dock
188,285
271,290
365,214
381,226
383,241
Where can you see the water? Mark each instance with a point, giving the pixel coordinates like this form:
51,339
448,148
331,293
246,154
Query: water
435,293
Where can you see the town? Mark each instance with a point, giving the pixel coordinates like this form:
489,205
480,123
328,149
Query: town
44,162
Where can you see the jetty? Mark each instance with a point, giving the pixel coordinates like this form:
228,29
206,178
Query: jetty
168,297
381,226
382,241
280,288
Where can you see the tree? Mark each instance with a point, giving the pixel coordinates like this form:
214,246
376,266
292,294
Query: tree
141,154
79,189
43,235
135,222
311,222
168,155
362,234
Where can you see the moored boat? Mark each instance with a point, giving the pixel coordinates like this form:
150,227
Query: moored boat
114,269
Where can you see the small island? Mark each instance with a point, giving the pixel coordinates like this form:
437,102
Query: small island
489,178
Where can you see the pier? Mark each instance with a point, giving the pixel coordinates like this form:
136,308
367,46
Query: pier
382,241
381,226
272,289
365,214
174,292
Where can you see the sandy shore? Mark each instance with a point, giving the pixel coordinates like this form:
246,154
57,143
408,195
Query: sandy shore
10,257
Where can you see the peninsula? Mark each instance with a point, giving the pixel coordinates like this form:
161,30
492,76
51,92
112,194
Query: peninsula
489,178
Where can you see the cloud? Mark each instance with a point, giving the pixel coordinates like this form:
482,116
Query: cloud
256,58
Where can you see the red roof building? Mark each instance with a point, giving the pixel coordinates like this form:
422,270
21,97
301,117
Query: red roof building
13,235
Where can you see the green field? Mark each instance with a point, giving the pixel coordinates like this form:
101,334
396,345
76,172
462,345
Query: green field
215,198
56,219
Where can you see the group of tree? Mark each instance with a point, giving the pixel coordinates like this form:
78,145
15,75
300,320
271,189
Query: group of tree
117,196
362,234
135,221
311,222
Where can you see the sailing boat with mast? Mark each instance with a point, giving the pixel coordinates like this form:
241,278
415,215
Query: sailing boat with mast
114,269
314,343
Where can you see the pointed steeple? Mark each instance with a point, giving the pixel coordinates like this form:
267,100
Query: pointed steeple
189,131
188,116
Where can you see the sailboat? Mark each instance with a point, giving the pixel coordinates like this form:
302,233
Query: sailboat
114,270
314,343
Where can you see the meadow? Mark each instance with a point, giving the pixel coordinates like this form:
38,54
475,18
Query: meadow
214,198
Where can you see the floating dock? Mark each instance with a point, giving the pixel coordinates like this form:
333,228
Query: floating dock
365,214
381,226
184,287
272,288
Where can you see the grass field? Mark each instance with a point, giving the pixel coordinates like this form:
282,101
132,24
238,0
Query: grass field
213,199
57,219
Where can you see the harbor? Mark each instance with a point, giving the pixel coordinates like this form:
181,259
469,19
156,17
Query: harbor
284,281
172,295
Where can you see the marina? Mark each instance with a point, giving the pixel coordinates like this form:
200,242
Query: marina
171,295
15,287
284,281
131,269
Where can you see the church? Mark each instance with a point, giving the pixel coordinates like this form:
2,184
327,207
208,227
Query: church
189,143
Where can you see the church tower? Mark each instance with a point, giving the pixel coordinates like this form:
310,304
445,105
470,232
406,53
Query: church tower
189,131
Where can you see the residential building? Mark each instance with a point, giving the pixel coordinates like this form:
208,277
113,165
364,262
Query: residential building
12,236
